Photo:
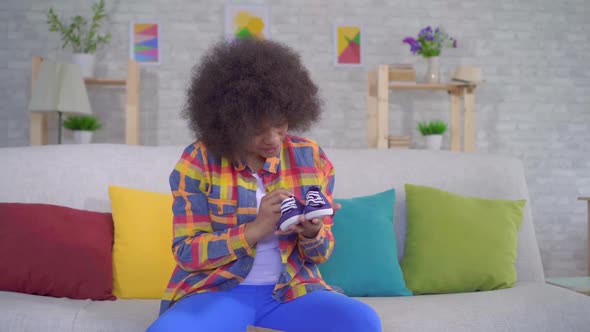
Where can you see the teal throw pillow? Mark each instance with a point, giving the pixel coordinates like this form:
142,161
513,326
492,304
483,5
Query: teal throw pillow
364,261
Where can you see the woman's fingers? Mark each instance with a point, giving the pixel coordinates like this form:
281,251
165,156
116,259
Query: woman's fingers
297,228
336,206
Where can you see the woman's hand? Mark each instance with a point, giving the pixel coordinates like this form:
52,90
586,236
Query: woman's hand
268,215
309,228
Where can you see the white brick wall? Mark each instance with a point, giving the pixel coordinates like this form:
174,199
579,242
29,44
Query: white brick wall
534,105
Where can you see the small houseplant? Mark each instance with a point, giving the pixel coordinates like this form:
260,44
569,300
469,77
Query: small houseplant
83,126
429,44
82,35
433,131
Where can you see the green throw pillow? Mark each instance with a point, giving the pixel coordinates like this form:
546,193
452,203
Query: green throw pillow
364,261
459,244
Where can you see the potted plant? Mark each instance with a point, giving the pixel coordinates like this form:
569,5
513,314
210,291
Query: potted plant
83,126
433,131
83,37
429,44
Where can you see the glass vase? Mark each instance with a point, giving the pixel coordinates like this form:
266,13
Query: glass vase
433,70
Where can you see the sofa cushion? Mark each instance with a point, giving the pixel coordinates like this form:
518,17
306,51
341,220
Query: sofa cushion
527,307
56,251
25,312
364,261
123,315
456,243
142,252
32,313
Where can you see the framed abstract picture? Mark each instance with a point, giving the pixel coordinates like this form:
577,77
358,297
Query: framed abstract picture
144,42
244,21
348,45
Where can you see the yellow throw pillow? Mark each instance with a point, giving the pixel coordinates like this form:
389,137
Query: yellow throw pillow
142,256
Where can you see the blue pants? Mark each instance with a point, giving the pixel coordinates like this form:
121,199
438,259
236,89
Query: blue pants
235,309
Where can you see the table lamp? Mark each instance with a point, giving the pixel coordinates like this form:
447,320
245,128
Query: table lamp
59,88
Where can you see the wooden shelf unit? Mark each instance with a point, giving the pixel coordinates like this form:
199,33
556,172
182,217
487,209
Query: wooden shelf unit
104,81
378,104
38,120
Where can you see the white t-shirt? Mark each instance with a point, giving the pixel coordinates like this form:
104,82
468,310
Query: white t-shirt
267,262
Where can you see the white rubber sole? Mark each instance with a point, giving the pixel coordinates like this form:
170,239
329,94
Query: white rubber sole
291,221
319,213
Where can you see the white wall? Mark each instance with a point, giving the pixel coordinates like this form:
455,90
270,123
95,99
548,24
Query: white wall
534,105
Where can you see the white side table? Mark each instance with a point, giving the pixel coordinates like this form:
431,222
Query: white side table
579,284
587,199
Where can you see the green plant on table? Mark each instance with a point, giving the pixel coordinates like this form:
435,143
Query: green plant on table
82,122
432,128
77,33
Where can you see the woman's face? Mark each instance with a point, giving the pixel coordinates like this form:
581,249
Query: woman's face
266,141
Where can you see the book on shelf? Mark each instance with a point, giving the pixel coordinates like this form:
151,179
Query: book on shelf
402,142
402,82
401,66
402,73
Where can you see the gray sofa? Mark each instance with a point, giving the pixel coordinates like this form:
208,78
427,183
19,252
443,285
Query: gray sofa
39,174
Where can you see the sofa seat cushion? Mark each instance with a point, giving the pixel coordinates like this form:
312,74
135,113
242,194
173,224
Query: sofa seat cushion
24,312
119,316
529,306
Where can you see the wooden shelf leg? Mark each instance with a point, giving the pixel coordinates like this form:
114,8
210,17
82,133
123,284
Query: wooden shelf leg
37,128
455,120
132,104
37,120
382,107
469,126
372,122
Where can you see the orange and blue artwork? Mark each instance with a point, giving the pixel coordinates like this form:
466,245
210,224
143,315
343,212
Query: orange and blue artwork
145,43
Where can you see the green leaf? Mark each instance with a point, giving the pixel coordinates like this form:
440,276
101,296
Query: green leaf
437,127
83,122
82,36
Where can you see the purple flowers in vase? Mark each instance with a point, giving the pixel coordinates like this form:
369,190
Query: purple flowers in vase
430,43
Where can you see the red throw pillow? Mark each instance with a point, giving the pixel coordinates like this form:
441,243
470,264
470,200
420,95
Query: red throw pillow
56,251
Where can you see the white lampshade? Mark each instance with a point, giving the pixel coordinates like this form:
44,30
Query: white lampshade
60,87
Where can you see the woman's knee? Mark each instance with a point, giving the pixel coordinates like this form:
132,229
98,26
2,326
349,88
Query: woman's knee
372,319
354,315
165,323
363,318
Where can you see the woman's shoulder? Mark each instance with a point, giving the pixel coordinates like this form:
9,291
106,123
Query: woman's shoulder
305,148
194,150
196,153
296,141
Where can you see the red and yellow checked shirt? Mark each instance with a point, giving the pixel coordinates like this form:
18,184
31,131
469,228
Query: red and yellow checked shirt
214,199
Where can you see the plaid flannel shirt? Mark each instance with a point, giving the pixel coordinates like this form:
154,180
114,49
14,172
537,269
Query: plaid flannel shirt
214,199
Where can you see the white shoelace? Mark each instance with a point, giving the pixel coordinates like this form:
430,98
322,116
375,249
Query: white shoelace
314,198
288,204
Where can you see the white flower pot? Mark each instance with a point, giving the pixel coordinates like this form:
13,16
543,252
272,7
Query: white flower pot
86,62
82,136
434,142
